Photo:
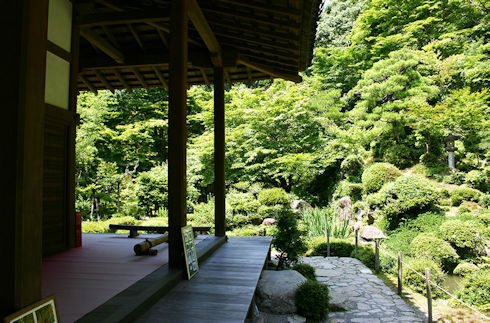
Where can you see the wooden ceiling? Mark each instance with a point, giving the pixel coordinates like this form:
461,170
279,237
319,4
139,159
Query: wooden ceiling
124,43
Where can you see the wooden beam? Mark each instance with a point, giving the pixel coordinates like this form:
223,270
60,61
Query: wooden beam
136,36
227,76
110,36
88,84
249,74
104,80
122,18
140,78
266,7
162,37
102,44
204,76
177,132
268,70
219,152
199,21
160,77
122,80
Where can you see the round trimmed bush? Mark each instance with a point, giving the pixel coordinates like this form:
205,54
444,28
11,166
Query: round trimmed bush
476,290
273,196
466,236
417,283
428,246
306,270
312,300
351,167
476,179
461,194
338,247
404,199
465,268
377,175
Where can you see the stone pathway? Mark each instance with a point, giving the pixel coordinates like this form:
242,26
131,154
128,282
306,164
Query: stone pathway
354,287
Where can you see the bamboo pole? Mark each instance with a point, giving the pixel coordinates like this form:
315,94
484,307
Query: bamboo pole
429,298
376,263
399,273
357,241
328,242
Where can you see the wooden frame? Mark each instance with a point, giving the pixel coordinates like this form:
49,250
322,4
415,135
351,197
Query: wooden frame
44,311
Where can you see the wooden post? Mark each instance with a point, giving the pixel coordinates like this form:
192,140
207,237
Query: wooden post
357,241
400,264
177,132
376,258
429,298
22,88
328,242
219,152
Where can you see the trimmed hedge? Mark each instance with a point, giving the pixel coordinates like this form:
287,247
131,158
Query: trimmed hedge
460,194
428,246
338,247
377,175
352,167
476,290
465,236
417,283
306,270
274,196
465,268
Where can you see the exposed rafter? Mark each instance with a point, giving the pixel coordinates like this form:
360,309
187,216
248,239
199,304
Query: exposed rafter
268,70
88,84
123,81
122,18
160,77
104,81
202,26
102,44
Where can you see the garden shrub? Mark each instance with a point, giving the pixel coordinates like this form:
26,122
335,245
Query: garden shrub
485,200
405,199
460,194
265,211
288,238
476,179
345,188
465,236
455,178
338,247
465,268
312,300
426,245
476,290
243,203
306,270
388,264
377,175
274,196
352,167
366,255
417,283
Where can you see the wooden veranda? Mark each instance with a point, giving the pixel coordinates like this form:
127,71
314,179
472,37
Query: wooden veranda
55,48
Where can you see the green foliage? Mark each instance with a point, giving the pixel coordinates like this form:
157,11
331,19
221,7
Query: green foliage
366,255
312,300
345,188
352,167
460,194
465,236
338,247
426,245
477,180
306,270
103,226
465,269
376,175
317,221
273,196
152,191
417,283
404,199
288,239
476,290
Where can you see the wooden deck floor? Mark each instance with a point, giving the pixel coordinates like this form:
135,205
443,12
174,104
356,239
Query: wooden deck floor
222,291
84,278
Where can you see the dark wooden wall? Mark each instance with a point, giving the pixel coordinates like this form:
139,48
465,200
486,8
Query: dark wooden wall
22,81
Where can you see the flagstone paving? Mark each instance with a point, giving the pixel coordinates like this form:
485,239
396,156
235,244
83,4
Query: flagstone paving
355,288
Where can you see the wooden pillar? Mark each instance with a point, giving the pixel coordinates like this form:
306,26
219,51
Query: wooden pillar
177,131
219,152
21,138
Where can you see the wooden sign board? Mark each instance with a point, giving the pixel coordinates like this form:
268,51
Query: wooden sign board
190,251
44,311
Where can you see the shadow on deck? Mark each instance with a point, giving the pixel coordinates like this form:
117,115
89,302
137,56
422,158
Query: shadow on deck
104,281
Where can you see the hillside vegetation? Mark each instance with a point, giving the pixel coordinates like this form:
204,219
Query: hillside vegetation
389,81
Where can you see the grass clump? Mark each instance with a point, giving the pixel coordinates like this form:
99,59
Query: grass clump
312,300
